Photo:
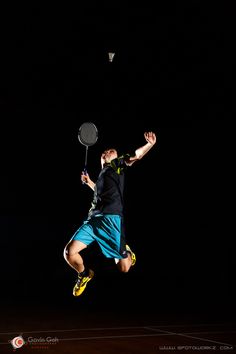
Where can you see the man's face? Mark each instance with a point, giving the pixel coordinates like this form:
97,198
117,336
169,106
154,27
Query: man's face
108,155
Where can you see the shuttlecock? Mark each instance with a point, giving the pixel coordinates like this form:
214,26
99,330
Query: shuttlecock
111,56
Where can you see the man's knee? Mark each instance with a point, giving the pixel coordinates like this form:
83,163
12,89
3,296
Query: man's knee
123,267
65,252
68,251
73,248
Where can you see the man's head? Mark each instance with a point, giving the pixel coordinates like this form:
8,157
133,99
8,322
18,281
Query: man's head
108,155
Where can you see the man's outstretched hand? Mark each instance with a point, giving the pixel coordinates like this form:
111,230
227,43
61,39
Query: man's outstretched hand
150,137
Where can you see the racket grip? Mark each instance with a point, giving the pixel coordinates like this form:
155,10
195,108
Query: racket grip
84,173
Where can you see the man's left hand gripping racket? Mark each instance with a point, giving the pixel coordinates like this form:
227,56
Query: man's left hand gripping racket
88,135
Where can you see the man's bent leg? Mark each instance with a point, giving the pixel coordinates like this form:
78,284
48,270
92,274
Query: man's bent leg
124,264
74,259
72,255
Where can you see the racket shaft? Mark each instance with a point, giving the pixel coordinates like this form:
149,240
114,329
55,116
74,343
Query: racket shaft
86,158
85,162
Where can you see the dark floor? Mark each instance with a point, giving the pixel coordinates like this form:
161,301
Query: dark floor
80,328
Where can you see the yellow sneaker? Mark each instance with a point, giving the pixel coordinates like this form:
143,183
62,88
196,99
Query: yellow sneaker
133,257
82,283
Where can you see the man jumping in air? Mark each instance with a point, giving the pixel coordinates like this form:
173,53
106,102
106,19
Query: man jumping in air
104,223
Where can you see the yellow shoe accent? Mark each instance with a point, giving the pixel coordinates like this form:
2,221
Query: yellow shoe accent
133,256
82,283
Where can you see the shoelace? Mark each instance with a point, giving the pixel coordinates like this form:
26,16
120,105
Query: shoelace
78,280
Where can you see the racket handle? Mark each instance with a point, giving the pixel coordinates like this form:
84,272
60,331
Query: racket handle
85,173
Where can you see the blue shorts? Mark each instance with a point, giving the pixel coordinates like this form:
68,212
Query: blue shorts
107,230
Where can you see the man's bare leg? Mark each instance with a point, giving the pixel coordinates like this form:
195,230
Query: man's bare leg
72,255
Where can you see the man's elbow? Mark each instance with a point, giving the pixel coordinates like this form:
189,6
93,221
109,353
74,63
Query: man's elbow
138,155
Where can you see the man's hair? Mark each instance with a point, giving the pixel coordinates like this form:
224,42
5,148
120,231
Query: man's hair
110,149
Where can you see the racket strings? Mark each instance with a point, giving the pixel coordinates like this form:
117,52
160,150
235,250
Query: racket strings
88,134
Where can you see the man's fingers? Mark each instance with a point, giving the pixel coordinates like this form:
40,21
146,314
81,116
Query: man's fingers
150,136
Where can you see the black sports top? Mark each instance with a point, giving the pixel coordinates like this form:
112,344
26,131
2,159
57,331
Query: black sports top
109,188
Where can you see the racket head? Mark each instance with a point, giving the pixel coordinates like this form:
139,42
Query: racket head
88,134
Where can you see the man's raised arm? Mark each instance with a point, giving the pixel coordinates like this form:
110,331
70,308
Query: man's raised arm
150,138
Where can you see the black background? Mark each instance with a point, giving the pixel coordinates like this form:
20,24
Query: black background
172,74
